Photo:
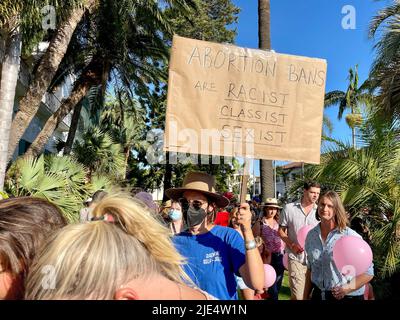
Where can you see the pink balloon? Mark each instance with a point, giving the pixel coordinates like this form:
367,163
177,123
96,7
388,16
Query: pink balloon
270,275
302,234
352,255
285,261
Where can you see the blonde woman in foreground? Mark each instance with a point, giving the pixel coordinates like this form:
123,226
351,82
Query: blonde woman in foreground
125,254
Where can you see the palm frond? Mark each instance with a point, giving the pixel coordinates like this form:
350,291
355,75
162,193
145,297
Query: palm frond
333,98
382,17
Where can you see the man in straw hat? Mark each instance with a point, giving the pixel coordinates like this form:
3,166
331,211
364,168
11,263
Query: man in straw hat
215,253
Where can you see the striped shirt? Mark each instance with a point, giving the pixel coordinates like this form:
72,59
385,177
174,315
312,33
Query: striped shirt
270,235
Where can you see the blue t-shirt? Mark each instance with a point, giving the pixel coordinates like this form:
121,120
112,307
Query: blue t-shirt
213,259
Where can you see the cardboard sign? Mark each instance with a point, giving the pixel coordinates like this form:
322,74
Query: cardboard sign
231,101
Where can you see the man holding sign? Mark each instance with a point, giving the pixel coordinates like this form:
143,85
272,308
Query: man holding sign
215,254
229,101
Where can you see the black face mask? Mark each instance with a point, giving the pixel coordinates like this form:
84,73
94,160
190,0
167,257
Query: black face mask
195,216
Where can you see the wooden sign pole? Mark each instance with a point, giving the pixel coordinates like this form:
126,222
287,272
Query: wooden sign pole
245,179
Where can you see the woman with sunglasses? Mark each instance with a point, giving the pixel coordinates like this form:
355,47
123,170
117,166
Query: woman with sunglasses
215,254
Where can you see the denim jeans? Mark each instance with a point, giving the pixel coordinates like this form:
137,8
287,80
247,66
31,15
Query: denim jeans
277,264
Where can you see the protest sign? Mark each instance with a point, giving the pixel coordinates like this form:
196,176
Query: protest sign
232,101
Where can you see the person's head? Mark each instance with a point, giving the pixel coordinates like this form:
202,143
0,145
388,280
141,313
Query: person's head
233,218
359,226
175,211
98,196
25,224
147,200
108,260
255,201
271,208
198,199
311,191
330,208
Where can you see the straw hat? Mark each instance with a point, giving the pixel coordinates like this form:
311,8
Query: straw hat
167,204
201,182
271,202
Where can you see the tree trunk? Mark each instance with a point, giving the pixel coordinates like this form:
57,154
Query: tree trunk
264,42
264,24
91,76
52,123
72,129
353,136
8,83
30,103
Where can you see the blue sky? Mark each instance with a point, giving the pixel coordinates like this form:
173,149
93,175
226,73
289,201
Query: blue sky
313,28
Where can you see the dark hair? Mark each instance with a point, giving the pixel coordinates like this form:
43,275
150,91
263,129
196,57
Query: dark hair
311,184
264,211
99,195
25,223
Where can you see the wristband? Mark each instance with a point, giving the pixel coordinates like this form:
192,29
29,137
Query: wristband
251,245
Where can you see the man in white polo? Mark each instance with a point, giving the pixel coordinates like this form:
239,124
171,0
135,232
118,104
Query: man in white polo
294,216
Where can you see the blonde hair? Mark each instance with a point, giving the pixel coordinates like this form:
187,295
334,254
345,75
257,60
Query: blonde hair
340,213
94,259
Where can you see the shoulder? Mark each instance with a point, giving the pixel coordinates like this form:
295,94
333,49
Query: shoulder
229,236
315,230
290,206
350,232
182,237
221,231
313,234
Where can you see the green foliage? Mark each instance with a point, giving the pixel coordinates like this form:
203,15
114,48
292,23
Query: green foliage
28,16
213,20
3,195
60,180
100,182
353,99
99,153
384,77
367,180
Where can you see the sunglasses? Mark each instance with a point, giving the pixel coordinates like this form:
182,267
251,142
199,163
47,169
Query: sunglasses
194,203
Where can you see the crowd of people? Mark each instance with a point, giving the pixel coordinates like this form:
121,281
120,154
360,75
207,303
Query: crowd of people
200,244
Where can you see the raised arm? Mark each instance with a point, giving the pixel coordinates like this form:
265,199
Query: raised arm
252,271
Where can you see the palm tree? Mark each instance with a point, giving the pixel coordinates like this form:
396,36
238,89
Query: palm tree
385,72
20,28
264,42
9,77
124,119
60,180
354,99
99,153
127,58
367,178
91,76
46,69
